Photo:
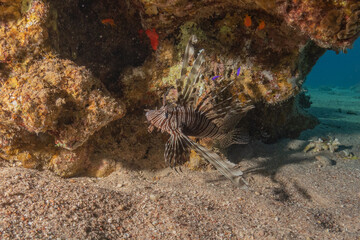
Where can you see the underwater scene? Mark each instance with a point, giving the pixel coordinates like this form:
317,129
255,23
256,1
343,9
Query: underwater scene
180,119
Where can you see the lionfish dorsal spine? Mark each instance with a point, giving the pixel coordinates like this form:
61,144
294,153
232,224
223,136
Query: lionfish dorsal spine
196,92
189,53
193,77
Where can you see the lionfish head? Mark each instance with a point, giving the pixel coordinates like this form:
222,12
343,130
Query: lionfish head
156,117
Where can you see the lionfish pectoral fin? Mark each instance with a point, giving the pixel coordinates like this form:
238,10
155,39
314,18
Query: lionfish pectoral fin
227,168
176,151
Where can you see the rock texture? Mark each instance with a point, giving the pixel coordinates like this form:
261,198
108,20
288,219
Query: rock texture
69,68
49,106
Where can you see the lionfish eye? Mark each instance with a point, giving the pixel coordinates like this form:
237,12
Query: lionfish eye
166,114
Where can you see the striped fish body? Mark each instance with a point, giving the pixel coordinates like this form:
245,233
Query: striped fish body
186,119
197,124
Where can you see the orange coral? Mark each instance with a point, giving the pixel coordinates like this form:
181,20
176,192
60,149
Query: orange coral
261,25
247,21
154,38
108,21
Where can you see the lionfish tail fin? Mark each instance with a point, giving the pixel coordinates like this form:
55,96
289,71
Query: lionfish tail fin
236,136
233,116
227,168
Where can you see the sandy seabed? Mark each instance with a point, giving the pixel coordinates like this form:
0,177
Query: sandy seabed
291,194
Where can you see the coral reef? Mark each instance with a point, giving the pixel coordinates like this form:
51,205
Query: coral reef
56,97
332,24
49,106
328,144
104,49
9,9
69,68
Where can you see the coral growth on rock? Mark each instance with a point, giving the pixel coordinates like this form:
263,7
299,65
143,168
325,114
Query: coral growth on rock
49,106
69,68
330,144
57,97
332,24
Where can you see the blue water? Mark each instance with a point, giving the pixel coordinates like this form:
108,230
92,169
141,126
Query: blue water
336,70
335,104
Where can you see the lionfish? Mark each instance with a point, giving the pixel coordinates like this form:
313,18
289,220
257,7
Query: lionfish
199,117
